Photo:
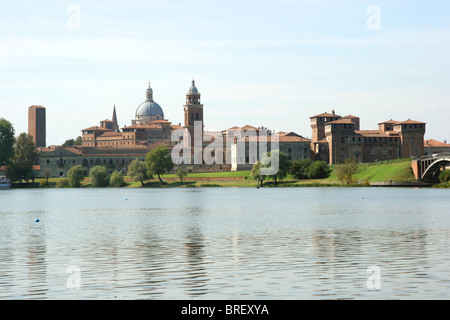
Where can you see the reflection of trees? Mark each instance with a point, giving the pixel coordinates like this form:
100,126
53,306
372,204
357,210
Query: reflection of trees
195,280
342,256
36,250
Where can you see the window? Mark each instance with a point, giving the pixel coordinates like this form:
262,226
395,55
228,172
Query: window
384,152
373,152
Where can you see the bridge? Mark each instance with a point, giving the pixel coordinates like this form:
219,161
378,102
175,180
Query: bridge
427,168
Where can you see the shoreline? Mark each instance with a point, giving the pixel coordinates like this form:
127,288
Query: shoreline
237,182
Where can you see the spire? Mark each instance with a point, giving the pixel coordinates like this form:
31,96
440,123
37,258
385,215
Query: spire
114,116
149,93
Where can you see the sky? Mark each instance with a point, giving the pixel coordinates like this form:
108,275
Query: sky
259,62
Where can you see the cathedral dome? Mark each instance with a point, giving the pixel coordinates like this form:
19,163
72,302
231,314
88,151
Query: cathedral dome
149,108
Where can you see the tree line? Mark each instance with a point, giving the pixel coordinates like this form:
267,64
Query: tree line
18,154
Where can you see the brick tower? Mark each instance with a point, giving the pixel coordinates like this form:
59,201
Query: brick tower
193,112
36,125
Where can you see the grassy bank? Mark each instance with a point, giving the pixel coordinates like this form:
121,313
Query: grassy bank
394,170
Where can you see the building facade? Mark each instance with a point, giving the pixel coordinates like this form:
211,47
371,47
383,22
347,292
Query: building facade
337,138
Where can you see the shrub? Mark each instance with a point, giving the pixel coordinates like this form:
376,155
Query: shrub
318,170
347,170
62,183
116,179
298,168
138,171
444,176
99,176
75,176
43,183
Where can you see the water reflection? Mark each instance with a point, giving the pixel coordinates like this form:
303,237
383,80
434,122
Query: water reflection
35,261
229,245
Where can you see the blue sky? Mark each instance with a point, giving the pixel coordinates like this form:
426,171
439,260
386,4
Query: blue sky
270,63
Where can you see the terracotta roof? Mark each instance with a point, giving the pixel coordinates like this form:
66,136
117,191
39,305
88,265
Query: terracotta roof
342,120
96,128
389,121
160,121
110,134
411,122
106,120
174,126
282,138
325,114
350,117
435,143
143,126
375,133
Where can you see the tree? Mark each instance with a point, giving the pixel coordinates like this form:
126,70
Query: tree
7,140
181,173
255,174
283,164
73,142
299,168
137,170
347,170
158,161
444,176
20,167
75,176
99,176
116,179
318,170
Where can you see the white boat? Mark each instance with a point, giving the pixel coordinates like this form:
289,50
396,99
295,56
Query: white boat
4,183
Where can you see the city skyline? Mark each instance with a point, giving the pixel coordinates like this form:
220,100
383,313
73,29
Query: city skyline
263,63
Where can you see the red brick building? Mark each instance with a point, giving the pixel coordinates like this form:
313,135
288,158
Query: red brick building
336,138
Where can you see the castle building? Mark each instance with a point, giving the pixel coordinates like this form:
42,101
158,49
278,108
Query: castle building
37,125
337,138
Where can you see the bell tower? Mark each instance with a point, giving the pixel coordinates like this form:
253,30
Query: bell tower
193,112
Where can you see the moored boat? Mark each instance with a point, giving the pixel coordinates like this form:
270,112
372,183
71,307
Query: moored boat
4,183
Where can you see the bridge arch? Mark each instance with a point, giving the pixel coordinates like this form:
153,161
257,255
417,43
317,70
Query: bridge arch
432,164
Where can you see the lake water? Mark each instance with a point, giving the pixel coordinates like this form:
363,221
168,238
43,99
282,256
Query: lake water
225,243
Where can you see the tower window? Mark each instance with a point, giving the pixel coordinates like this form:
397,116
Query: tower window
196,116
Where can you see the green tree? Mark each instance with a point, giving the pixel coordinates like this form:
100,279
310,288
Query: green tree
20,167
158,161
137,170
75,176
347,170
116,179
181,173
283,164
73,142
62,183
318,170
444,176
255,174
299,168
99,176
7,140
